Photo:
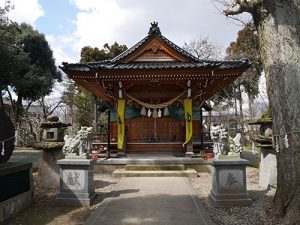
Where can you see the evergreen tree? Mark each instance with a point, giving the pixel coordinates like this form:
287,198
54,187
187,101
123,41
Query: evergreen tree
83,100
27,64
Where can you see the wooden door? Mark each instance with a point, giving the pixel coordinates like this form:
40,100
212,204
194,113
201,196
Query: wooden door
140,128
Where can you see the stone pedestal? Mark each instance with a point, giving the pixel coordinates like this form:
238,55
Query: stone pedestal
48,174
189,149
229,183
76,182
268,168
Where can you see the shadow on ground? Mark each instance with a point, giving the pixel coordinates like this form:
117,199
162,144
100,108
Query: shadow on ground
44,210
102,183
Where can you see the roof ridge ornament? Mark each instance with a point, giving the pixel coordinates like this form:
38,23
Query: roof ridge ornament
154,29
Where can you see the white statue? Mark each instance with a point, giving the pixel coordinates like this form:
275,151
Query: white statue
235,144
218,134
80,145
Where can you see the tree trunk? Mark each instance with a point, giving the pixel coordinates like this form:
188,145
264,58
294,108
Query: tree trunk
95,118
250,104
251,114
17,121
279,34
235,111
241,119
1,101
18,110
208,122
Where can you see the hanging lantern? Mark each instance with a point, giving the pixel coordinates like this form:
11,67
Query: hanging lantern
155,113
149,113
143,111
159,113
166,111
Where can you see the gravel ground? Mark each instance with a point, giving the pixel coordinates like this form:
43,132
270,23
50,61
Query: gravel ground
257,214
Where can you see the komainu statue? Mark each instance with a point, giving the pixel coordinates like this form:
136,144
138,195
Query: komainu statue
218,134
80,145
235,144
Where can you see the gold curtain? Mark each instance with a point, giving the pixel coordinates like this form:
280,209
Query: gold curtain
188,109
121,125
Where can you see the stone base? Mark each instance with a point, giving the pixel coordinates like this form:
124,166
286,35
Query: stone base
189,154
74,156
229,156
121,155
48,173
219,200
76,182
229,183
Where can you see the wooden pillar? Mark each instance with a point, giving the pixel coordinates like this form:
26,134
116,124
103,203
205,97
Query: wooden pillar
189,148
108,134
154,128
96,117
201,129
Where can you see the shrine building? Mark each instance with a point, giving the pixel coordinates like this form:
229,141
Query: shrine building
155,92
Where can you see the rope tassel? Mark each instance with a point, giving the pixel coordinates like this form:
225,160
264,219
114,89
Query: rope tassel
3,149
3,143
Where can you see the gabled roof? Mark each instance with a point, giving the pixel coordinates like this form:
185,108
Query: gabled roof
154,32
139,57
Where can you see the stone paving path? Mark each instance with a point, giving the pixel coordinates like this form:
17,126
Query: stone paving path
151,200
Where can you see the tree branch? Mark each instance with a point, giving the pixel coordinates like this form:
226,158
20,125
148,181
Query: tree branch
11,100
28,106
229,12
236,7
57,105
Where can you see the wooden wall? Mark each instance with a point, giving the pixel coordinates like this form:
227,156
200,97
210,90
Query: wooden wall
141,130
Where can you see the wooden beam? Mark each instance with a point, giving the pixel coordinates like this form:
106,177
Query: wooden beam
95,89
154,95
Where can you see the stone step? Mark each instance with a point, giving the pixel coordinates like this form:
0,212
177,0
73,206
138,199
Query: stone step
155,173
134,167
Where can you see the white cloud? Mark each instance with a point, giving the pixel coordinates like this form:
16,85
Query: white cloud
127,21
25,11
100,21
59,45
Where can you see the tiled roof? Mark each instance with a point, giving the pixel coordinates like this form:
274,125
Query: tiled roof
109,65
115,64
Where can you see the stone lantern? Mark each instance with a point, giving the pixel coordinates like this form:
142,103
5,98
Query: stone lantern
51,144
53,129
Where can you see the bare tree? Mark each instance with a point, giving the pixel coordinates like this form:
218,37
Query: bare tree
203,48
48,107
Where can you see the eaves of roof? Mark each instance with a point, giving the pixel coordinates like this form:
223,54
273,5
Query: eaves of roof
109,65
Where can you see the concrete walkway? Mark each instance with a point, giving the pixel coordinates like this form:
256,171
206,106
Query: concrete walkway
151,200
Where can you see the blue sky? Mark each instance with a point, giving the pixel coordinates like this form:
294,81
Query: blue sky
56,20
71,24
